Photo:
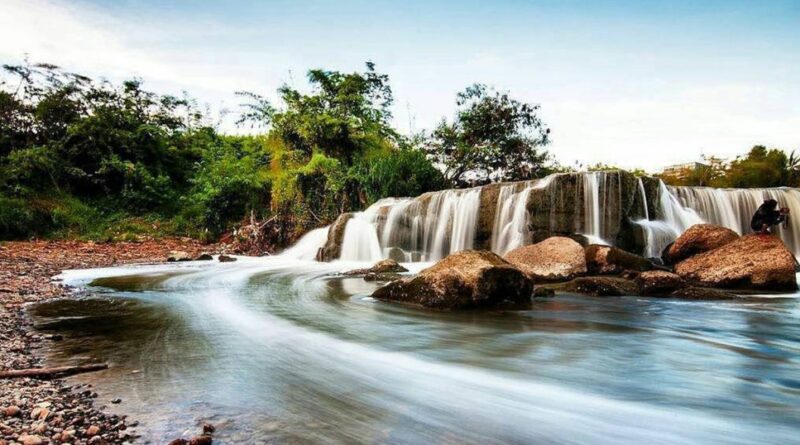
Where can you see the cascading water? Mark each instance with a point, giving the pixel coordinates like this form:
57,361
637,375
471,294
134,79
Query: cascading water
676,219
434,225
733,208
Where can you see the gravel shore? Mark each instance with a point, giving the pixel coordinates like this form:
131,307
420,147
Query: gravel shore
41,411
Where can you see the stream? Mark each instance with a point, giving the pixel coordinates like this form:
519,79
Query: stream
275,350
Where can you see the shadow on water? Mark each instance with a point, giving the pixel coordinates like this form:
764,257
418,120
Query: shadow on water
275,353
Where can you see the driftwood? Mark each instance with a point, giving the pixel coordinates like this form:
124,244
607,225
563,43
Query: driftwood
59,371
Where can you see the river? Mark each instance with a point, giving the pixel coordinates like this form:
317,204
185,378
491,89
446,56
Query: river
275,350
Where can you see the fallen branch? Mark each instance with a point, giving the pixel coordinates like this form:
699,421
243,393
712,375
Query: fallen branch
52,372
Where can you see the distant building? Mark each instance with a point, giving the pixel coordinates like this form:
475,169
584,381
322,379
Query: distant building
681,171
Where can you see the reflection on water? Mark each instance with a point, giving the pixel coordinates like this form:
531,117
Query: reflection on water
272,350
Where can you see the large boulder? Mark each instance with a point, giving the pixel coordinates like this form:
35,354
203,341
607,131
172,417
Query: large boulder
607,260
658,282
698,239
464,280
602,286
755,262
333,245
554,259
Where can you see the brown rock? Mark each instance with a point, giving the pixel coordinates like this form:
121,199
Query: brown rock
226,259
40,413
333,246
607,260
201,440
12,411
658,282
554,259
464,280
703,293
602,286
32,439
179,255
698,239
93,430
755,262
381,267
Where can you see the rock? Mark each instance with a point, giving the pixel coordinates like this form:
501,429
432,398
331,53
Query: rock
40,413
543,292
382,276
554,259
117,400
33,439
464,280
658,282
93,430
208,428
201,440
698,239
12,411
97,440
179,442
607,260
179,255
204,257
381,267
333,245
753,262
602,286
226,259
703,293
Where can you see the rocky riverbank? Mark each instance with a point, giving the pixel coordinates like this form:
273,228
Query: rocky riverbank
50,411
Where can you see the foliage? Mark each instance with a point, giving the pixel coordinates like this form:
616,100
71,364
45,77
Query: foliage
493,137
760,167
404,172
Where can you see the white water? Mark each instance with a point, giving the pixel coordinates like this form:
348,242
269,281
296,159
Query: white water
434,225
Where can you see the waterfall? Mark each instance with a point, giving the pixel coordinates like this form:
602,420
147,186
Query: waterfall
733,208
510,229
598,205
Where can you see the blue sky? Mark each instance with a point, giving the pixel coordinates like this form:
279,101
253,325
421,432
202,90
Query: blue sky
637,84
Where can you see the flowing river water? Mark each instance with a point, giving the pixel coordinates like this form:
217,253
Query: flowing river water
274,350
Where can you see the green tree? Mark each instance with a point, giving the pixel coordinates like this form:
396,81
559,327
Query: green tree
493,137
761,167
342,116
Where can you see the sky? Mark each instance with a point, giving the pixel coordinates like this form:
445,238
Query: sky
637,84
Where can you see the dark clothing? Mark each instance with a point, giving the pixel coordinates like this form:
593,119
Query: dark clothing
766,215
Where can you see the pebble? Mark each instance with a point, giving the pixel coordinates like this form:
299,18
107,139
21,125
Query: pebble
41,411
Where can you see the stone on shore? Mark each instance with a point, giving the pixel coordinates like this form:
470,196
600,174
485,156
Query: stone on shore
226,259
179,255
464,280
752,262
608,260
698,239
658,282
554,259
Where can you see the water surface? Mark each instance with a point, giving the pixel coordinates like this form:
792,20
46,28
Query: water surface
273,350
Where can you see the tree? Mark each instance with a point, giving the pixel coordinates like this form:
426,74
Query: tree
761,167
340,117
493,137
